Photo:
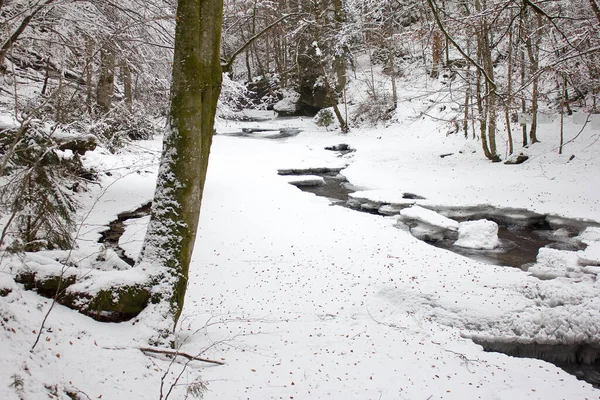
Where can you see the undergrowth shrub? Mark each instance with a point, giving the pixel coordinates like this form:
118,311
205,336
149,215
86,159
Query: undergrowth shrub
324,118
120,126
37,186
373,113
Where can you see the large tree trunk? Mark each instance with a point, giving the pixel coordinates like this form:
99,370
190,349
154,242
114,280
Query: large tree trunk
197,77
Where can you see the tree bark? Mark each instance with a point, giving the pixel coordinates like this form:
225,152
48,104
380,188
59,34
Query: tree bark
89,64
509,79
127,87
533,51
197,77
339,61
106,80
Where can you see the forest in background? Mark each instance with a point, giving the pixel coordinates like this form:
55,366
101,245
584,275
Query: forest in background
102,65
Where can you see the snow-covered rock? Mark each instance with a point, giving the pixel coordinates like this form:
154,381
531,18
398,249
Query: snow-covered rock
480,234
429,217
289,105
552,263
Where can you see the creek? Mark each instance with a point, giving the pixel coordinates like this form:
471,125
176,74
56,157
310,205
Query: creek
521,233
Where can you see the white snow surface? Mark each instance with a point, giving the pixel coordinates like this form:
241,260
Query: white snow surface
480,234
304,300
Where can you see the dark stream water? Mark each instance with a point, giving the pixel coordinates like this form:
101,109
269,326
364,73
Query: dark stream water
110,237
522,233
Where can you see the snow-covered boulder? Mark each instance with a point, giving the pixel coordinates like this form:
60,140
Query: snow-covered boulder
480,234
429,217
552,263
289,105
427,224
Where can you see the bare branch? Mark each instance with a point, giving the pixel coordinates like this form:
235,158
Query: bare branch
176,353
436,16
227,64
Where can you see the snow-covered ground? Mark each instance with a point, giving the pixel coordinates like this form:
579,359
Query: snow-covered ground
304,300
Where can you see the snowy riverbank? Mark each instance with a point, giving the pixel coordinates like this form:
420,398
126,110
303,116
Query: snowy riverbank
307,301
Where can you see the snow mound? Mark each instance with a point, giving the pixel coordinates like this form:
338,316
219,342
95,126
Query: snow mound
429,217
552,263
591,255
480,234
589,235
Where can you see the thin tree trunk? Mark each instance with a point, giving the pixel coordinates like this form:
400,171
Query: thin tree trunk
533,51
562,113
339,61
482,118
508,104
491,101
437,52
106,80
89,47
46,77
522,34
127,85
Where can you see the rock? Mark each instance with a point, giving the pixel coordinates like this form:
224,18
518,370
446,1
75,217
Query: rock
78,144
342,147
520,159
112,304
289,105
412,196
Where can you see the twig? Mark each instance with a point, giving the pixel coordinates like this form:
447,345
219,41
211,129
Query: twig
179,353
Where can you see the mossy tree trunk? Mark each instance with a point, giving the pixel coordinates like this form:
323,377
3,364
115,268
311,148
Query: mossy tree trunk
197,77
